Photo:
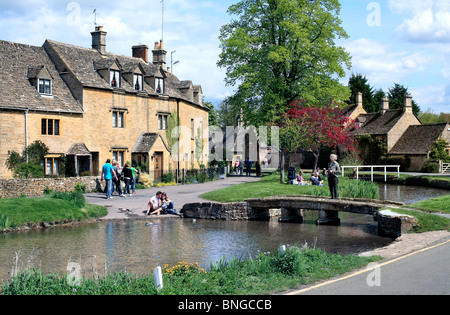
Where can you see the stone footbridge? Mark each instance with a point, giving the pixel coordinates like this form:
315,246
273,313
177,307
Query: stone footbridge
289,209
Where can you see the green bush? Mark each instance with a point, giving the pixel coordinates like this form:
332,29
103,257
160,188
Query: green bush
29,170
430,167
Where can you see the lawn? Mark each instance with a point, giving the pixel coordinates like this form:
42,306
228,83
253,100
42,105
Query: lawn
56,208
270,185
440,204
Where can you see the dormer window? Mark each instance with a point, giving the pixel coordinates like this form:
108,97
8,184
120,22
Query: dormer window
45,86
159,85
138,82
114,78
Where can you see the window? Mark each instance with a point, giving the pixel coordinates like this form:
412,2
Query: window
45,86
114,78
159,85
51,165
138,82
162,122
118,119
192,129
119,157
50,127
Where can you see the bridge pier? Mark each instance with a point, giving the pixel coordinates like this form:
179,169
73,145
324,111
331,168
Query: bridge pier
291,215
327,217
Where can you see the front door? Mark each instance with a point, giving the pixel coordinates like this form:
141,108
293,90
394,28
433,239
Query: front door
158,165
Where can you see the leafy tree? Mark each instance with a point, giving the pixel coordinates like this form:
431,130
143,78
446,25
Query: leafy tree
35,153
279,50
213,118
438,151
377,99
396,95
311,128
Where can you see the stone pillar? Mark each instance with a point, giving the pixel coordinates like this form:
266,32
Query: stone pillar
328,218
291,215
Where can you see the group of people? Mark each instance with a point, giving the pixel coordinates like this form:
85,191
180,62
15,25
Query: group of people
161,203
114,175
332,173
239,167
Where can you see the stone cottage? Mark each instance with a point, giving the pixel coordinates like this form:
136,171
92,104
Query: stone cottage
91,105
403,133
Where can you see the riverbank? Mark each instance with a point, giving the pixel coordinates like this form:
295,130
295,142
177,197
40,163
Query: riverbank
261,275
57,209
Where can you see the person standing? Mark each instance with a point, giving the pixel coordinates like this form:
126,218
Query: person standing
127,176
108,174
117,182
333,172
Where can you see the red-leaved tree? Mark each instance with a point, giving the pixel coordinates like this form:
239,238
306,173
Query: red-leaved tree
310,128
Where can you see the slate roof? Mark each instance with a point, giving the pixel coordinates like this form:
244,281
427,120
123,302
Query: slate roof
19,64
419,139
83,63
146,142
378,123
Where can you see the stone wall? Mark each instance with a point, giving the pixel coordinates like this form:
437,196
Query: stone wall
12,188
391,224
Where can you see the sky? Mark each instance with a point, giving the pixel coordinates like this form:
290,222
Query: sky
391,41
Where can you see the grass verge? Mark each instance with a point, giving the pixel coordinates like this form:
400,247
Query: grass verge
53,209
264,274
270,185
439,204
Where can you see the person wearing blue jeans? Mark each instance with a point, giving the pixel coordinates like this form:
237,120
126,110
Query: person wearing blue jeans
108,174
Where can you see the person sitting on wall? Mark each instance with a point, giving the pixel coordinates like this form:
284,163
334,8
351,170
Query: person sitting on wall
167,205
154,204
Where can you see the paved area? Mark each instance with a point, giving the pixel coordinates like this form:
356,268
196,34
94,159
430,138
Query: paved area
422,272
180,195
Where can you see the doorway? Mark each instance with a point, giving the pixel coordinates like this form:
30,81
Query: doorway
159,164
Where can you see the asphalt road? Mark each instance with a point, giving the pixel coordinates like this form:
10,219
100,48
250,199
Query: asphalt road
423,272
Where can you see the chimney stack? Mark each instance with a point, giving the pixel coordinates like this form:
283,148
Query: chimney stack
408,104
384,105
99,39
140,51
359,99
159,55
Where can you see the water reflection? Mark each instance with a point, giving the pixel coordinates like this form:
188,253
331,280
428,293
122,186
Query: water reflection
409,194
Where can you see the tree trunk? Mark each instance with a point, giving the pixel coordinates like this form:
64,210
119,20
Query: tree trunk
282,164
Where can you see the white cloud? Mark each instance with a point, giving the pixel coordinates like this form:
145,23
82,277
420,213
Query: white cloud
429,20
383,64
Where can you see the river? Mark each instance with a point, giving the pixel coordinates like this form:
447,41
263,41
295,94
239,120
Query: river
137,246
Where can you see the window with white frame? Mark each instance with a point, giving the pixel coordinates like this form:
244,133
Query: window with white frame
114,78
119,157
45,86
118,119
162,122
138,82
159,85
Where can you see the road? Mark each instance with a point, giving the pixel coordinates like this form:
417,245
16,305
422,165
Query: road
423,272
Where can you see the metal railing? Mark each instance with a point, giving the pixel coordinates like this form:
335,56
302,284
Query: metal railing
372,168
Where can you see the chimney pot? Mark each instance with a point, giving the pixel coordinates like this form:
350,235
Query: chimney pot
159,55
408,104
359,99
384,105
99,39
140,51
